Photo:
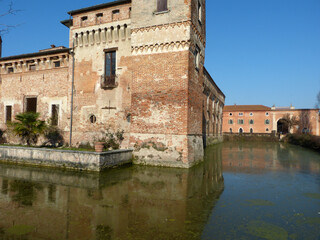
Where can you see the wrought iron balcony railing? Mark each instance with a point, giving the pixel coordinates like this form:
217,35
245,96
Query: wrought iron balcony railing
108,82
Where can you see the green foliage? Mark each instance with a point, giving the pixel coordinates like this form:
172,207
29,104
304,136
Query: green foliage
28,127
113,140
54,136
304,140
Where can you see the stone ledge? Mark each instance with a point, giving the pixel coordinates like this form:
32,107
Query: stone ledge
69,159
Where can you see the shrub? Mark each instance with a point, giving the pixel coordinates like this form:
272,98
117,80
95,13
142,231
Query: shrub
54,137
114,140
28,127
304,140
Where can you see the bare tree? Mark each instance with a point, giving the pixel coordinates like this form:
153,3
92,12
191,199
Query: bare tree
318,100
291,121
304,122
9,10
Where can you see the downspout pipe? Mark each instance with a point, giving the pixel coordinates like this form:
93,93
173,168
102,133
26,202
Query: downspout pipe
72,94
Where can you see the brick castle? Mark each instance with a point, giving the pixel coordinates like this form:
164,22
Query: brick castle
136,66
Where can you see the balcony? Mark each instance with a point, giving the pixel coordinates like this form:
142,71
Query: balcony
108,82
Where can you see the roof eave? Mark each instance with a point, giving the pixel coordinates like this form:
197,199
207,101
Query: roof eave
36,54
97,7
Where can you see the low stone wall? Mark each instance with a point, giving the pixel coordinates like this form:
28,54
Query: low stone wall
77,160
215,139
251,137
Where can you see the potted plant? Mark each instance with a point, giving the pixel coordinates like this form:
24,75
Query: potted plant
99,146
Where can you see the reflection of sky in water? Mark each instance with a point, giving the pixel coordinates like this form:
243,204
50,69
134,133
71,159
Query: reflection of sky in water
267,191
269,198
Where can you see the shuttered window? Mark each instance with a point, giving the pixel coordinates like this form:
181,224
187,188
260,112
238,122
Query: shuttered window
162,5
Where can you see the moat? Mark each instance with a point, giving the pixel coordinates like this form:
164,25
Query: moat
241,191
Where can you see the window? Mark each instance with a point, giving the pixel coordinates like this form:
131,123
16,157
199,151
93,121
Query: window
199,11
240,121
109,78
267,114
8,114
10,70
197,57
230,121
57,64
251,121
31,104
93,119
230,130
267,122
162,5
99,17
267,130
240,130
251,130
240,114
110,70
115,14
32,67
230,114
251,114
83,20
55,115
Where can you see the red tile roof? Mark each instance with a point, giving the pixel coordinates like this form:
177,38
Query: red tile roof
237,108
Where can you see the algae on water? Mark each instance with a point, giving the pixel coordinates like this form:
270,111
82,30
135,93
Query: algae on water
19,230
259,202
313,195
266,230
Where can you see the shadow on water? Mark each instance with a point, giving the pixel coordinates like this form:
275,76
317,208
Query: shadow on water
127,203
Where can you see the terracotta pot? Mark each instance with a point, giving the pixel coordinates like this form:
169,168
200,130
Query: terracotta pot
99,146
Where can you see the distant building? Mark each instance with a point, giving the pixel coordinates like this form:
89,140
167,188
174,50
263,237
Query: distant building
262,119
138,67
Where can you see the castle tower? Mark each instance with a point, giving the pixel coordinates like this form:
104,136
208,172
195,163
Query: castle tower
168,46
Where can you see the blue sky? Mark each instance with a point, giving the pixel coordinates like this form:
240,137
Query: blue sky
258,51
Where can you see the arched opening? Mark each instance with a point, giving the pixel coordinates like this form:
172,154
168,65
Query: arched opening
251,130
240,130
230,130
283,126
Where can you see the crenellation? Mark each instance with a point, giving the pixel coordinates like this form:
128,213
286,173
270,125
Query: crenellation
135,69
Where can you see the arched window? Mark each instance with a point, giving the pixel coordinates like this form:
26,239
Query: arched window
251,130
240,130
267,122
251,122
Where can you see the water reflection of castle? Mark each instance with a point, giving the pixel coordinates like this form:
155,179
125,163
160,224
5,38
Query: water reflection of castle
155,203
261,156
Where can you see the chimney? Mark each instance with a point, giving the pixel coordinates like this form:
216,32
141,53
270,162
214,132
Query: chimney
0,47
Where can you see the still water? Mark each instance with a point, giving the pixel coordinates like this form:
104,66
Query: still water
241,191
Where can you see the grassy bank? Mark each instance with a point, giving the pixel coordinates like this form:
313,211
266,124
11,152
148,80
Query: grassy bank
304,140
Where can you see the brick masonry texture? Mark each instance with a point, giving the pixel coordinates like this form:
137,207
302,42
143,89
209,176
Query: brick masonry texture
273,115
163,98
